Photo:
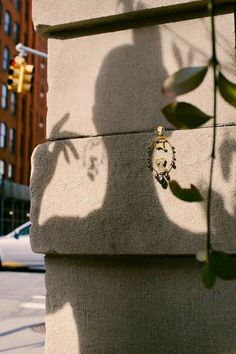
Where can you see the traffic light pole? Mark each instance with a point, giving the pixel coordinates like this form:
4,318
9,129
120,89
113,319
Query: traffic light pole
23,50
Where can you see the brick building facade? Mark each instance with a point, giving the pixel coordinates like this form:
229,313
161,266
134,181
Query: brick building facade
22,118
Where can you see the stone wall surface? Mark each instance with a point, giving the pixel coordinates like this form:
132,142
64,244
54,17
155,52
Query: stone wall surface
111,82
136,306
121,278
44,10
97,195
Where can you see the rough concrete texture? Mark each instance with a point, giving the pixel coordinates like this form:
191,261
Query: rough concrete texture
136,306
92,193
44,10
97,196
112,82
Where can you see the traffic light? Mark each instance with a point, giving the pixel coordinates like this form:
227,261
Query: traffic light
15,73
20,75
28,77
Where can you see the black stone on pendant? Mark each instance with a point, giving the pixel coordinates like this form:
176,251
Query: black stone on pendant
162,180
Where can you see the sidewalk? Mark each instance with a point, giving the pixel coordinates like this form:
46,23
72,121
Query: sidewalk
21,337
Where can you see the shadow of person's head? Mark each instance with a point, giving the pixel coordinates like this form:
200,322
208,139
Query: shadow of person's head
128,87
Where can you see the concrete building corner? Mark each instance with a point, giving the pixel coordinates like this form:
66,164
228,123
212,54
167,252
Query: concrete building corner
121,274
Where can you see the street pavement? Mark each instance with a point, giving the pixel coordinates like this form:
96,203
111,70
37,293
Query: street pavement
22,312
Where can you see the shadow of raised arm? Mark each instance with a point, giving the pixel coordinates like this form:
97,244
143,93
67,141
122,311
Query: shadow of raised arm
49,152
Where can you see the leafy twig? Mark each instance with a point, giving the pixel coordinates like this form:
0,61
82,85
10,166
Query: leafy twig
186,116
214,63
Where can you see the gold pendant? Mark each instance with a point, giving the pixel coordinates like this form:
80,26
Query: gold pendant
161,157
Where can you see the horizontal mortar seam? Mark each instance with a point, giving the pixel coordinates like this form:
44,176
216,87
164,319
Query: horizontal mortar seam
134,19
220,125
122,256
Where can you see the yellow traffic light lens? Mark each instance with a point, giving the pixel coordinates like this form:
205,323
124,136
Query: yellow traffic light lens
29,69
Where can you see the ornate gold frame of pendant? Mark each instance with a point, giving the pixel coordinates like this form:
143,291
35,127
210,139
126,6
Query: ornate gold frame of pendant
160,164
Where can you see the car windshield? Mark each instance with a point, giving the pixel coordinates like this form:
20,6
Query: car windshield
24,231
20,231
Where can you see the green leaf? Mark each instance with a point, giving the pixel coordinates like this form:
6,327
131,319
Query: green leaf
188,195
184,80
223,265
184,115
208,276
227,90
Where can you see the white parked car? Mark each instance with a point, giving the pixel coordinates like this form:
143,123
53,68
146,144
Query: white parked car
15,249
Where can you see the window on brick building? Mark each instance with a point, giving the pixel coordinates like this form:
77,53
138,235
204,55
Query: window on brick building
12,139
4,96
17,4
6,58
7,24
13,102
11,171
16,31
2,171
3,135
0,12
2,168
